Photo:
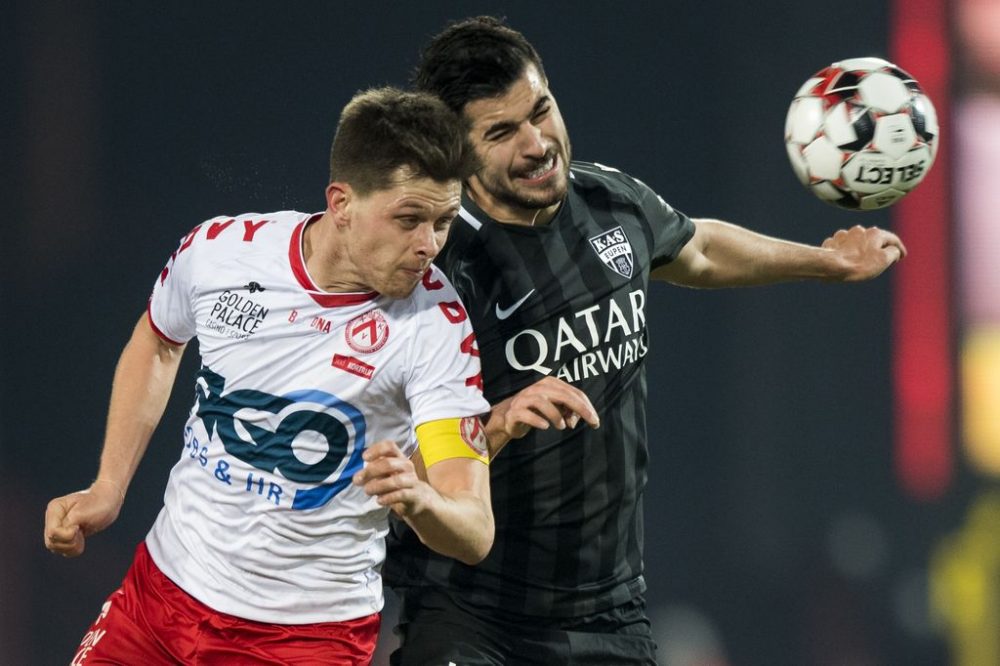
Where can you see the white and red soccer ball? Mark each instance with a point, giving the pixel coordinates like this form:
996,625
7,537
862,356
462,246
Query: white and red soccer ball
861,134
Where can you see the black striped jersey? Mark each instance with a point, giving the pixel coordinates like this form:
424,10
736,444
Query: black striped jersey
566,299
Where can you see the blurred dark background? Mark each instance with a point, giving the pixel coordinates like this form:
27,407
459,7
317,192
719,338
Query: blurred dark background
776,530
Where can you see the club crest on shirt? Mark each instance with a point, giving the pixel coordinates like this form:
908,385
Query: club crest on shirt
615,251
367,333
473,434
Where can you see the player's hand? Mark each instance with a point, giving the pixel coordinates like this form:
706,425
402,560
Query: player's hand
391,478
71,518
549,402
866,252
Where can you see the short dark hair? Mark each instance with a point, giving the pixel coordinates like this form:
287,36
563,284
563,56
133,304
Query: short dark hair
476,58
382,129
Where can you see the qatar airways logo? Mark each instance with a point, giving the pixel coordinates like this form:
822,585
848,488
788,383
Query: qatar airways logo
603,338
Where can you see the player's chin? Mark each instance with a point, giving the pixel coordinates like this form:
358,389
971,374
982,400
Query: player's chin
542,197
403,286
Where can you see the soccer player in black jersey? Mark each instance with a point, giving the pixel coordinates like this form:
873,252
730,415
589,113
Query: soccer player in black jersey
553,259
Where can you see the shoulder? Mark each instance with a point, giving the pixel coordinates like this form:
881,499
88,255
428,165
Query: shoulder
434,288
466,228
213,249
466,233
249,228
589,176
435,303
226,235
602,188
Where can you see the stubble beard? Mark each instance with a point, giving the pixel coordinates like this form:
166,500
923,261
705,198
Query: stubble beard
400,288
505,192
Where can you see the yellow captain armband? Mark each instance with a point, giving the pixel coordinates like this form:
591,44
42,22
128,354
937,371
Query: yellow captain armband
453,438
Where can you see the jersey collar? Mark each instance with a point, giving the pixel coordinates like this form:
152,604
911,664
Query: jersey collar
298,264
476,217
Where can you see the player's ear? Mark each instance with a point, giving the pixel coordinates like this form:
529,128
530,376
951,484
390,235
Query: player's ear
338,200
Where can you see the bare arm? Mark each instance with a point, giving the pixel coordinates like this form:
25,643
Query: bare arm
549,402
142,384
447,505
725,255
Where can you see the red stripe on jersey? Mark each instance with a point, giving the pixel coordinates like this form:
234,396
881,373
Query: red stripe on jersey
298,264
156,329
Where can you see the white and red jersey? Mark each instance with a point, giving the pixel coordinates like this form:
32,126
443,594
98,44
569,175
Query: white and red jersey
260,518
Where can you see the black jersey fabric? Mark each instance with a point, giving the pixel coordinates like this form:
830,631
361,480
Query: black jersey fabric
566,299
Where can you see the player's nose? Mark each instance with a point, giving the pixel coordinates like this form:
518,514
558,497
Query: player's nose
426,242
532,142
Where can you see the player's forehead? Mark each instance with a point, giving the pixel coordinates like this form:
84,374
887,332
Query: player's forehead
409,190
515,103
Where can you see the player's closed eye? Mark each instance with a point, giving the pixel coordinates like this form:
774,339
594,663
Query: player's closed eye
499,133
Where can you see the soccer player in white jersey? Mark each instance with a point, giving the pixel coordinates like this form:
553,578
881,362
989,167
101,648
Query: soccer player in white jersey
331,350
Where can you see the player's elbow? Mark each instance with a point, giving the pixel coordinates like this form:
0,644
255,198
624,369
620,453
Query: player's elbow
479,546
465,532
476,554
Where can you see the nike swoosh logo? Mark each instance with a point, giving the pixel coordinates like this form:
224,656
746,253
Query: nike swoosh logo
503,313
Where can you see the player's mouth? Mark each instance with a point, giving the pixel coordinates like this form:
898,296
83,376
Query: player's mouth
416,272
541,172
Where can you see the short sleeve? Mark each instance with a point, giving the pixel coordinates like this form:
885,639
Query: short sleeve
171,305
671,228
445,377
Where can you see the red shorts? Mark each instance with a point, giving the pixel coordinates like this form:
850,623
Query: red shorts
150,621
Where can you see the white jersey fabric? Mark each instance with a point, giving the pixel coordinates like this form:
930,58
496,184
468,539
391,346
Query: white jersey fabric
260,518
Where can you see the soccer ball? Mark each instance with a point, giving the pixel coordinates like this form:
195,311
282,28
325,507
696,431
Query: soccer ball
861,134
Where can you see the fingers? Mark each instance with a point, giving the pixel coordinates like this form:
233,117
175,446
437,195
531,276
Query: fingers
62,535
575,402
382,449
388,475
866,235
889,245
381,462
892,243
573,419
65,541
855,236
837,238
71,518
536,411
865,252
552,402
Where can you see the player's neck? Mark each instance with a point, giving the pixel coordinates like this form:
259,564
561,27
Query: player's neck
326,264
